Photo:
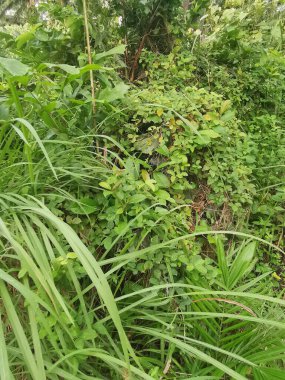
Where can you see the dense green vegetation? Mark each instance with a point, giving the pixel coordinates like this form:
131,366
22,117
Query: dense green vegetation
142,190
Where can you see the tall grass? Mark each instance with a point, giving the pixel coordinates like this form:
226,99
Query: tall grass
52,327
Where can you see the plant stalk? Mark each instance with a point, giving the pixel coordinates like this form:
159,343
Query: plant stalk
87,35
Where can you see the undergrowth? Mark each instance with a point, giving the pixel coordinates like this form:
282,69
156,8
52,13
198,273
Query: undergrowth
141,232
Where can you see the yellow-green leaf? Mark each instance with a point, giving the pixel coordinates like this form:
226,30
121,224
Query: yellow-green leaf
145,175
159,112
105,185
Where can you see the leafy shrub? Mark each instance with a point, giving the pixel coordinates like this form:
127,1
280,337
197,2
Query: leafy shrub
183,136
229,54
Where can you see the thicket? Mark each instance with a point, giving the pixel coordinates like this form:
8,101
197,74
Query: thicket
142,230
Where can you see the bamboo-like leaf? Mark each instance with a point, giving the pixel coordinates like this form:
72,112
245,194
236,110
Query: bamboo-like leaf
94,272
20,335
222,261
241,263
5,372
192,351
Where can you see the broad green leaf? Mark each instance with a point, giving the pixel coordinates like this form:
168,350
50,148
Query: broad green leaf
120,49
161,210
163,150
42,35
67,68
150,183
23,38
92,66
111,94
228,115
14,67
210,133
161,179
84,206
137,198
163,195
120,227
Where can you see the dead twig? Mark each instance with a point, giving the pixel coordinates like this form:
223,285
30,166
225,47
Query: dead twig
228,301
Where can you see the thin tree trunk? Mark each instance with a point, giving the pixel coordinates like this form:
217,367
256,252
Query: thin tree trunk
142,42
84,3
